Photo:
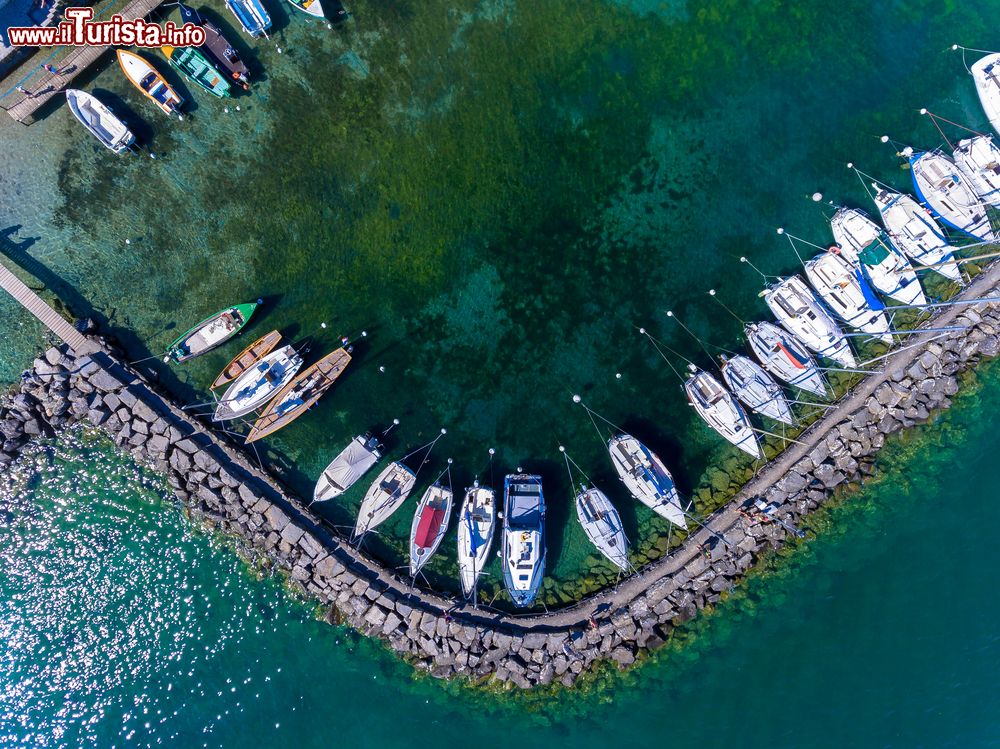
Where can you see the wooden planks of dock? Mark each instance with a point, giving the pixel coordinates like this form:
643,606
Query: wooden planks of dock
79,59
45,314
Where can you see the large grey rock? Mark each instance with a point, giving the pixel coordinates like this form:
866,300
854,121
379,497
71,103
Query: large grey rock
105,381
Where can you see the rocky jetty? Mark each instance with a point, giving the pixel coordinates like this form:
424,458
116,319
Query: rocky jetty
220,487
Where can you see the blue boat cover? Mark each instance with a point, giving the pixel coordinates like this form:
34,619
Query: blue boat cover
870,296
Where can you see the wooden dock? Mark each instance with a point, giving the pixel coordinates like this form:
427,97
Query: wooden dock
79,59
48,316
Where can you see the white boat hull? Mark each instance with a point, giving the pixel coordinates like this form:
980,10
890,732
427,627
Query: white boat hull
646,477
99,121
757,389
942,189
386,494
430,523
476,525
353,462
836,281
721,412
603,526
978,160
986,73
913,230
259,384
801,314
783,355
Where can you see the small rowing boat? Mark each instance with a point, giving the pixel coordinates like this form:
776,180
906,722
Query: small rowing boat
211,332
797,308
476,522
198,69
430,523
309,7
218,49
756,388
603,525
299,395
153,85
353,462
523,551
261,382
941,188
985,72
100,121
978,160
247,358
252,15
720,411
847,294
646,477
860,241
912,228
784,357
384,497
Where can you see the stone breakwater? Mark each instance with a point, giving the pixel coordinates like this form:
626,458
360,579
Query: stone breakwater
220,487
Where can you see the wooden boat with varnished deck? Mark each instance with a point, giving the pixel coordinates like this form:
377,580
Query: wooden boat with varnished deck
247,358
300,394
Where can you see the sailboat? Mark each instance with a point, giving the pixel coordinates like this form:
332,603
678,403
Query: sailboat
351,464
720,411
211,332
940,187
646,477
476,523
795,307
100,121
756,388
860,241
603,525
154,87
198,69
384,497
523,550
299,395
784,357
984,72
259,384
430,523
217,48
913,229
847,294
978,160
247,358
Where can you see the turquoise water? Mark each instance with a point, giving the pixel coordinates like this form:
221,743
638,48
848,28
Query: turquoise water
497,192
120,626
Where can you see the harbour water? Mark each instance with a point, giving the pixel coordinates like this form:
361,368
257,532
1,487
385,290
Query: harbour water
497,192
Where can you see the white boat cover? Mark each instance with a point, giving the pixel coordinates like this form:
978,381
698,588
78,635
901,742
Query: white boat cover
942,189
784,356
354,461
800,312
912,228
978,159
985,72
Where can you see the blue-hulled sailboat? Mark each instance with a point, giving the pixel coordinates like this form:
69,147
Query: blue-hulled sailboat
252,15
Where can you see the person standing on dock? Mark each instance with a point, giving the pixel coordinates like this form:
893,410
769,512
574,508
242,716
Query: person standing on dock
50,69
26,92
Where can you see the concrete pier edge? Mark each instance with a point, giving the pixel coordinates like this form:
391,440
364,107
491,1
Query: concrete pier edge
221,487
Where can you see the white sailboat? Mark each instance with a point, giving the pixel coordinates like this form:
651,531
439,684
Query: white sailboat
913,229
847,294
802,315
978,160
720,411
351,464
985,72
646,477
603,525
476,525
783,356
430,523
384,497
889,271
941,188
255,387
756,388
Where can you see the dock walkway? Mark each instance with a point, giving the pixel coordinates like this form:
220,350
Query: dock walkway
24,106
45,314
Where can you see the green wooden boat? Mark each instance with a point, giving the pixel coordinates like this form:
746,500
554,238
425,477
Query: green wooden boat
211,332
196,66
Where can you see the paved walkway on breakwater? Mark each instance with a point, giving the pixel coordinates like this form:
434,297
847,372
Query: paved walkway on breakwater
219,485
23,107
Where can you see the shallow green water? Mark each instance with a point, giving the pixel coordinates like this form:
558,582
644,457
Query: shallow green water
119,626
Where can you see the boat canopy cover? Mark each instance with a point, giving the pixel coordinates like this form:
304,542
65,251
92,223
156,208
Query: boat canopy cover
351,464
870,296
873,254
429,525
524,506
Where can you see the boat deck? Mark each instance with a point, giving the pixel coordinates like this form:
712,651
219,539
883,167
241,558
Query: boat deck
22,107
